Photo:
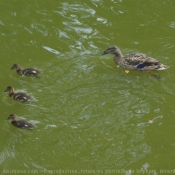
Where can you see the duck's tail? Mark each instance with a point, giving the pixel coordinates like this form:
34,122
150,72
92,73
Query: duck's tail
162,67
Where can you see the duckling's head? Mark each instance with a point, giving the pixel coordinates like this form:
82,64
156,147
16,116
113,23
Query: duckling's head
112,50
12,117
16,66
9,89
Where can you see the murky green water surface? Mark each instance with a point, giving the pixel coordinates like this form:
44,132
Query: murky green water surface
91,116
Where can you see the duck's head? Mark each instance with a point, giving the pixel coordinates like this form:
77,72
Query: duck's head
112,50
12,117
15,66
9,89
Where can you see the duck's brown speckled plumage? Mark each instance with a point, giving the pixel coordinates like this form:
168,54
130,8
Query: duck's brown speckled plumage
20,123
134,61
26,72
19,96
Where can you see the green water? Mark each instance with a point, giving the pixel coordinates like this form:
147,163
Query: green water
91,117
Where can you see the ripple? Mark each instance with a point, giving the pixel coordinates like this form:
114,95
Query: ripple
51,50
1,23
79,8
172,24
5,154
82,30
102,20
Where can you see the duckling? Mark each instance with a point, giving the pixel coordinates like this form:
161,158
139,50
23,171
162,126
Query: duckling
134,61
27,71
19,96
20,123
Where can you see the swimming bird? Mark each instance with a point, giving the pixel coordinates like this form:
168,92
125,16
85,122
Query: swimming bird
20,123
19,96
26,72
134,61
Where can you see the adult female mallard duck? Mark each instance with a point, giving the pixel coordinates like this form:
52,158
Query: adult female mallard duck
19,96
20,123
26,72
134,61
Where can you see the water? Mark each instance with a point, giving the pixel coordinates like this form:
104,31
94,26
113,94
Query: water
91,116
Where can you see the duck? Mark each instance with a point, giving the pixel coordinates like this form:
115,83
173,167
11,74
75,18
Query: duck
19,96
26,72
134,61
20,123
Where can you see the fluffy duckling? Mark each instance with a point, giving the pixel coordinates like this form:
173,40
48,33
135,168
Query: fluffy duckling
26,72
134,61
20,123
19,96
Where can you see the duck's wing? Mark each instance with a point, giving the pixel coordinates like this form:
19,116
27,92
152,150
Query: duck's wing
31,72
135,58
23,124
150,60
22,97
140,60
